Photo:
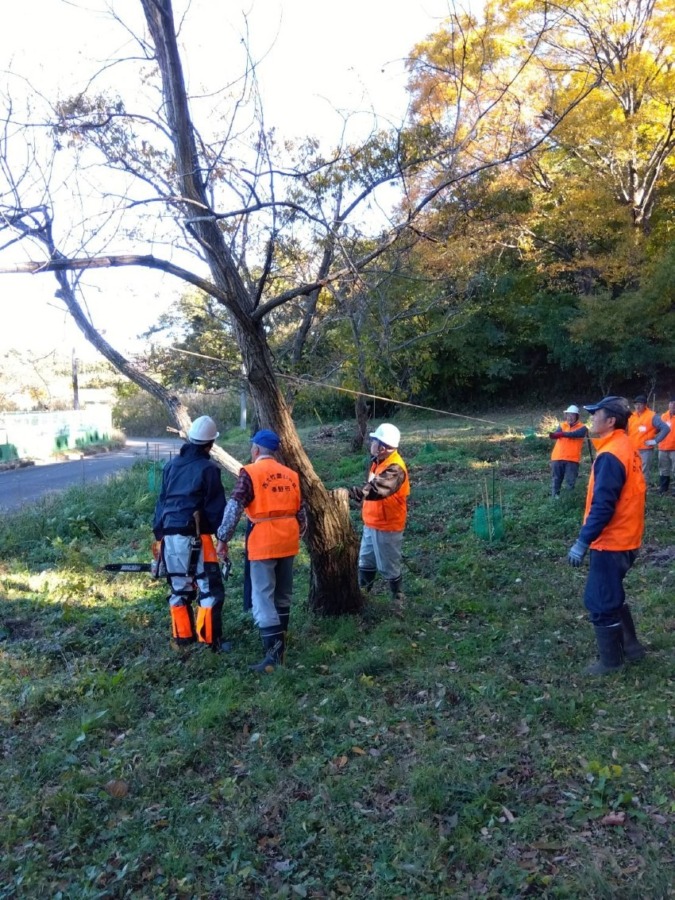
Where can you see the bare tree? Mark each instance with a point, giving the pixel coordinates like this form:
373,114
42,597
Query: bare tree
212,201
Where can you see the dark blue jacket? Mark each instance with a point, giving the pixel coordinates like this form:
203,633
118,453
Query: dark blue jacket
190,483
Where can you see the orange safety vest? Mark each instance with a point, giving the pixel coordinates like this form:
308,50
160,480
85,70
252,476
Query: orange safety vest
624,530
668,443
388,514
640,428
273,510
568,449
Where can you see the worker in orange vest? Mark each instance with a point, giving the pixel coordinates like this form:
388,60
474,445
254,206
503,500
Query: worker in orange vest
569,440
269,493
612,528
646,429
667,450
187,513
385,503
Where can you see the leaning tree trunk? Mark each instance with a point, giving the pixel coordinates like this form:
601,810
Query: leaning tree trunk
178,412
331,539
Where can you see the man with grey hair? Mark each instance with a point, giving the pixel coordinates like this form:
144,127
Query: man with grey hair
269,494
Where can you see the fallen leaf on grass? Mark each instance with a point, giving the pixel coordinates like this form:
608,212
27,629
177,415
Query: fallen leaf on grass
613,818
508,815
359,751
285,865
523,728
117,788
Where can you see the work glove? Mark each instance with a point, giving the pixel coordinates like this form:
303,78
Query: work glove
650,443
222,551
554,435
355,494
575,557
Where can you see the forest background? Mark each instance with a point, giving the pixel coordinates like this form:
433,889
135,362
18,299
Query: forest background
550,275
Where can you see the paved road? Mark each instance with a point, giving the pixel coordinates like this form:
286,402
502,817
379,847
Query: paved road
21,486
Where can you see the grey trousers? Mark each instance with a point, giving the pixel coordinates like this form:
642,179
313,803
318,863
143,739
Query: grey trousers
646,457
563,469
381,550
667,463
272,589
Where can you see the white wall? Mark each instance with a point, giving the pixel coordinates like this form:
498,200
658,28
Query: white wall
36,435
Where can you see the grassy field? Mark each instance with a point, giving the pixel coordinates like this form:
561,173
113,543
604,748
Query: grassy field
451,748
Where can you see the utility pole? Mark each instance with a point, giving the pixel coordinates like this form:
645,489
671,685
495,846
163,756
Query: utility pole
76,387
242,405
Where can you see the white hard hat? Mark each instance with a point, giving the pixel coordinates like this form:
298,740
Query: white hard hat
202,431
387,434
573,409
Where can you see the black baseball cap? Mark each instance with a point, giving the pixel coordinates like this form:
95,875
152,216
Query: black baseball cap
615,406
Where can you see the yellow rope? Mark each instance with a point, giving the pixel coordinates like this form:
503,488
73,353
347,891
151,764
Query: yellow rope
333,387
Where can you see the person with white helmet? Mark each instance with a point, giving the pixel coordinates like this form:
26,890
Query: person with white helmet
188,511
384,499
569,440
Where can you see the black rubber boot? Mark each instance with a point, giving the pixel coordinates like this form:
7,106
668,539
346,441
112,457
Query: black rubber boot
632,648
274,644
664,484
610,650
396,588
284,617
367,578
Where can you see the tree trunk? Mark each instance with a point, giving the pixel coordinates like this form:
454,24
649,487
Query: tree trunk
333,587
178,412
361,410
331,539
